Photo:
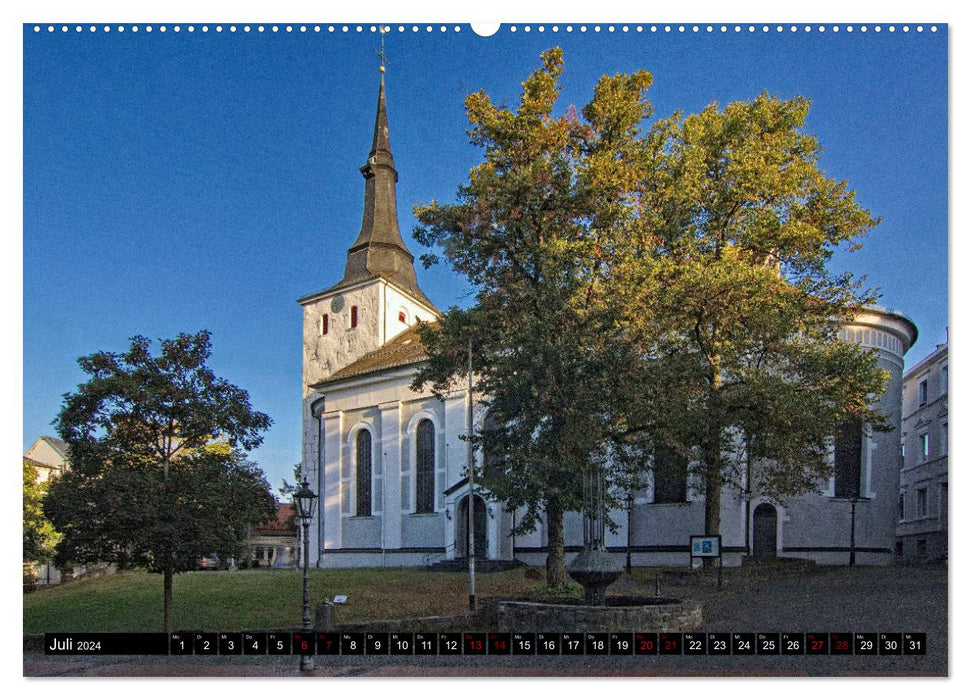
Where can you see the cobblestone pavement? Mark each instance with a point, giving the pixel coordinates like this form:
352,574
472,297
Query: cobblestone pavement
894,599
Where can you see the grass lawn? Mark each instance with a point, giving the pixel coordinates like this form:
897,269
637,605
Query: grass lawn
131,601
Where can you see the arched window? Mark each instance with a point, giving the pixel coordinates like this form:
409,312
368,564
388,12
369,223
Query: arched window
364,473
425,467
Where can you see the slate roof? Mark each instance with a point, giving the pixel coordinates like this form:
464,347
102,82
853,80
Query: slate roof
402,350
58,445
379,251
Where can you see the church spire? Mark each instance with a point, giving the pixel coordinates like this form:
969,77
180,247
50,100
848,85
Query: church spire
379,249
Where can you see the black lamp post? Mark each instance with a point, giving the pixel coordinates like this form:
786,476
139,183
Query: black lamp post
304,501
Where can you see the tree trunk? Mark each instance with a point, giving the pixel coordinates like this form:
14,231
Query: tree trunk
555,556
712,456
167,572
713,510
167,598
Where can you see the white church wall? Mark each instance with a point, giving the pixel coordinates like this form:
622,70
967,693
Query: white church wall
361,532
390,461
811,526
397,302
455,451
330,487
423,530
533,538
505,547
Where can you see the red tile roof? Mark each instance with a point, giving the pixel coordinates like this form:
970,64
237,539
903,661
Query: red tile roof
281,526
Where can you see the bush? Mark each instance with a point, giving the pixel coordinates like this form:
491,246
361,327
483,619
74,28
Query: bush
567,589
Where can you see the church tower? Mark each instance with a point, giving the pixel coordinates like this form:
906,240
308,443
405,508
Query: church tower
378,297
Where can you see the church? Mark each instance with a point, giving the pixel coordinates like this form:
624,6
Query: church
391,469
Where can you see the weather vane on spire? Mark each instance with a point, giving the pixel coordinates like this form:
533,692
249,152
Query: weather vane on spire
381,53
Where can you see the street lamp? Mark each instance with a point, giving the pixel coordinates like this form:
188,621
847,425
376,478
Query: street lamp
304,501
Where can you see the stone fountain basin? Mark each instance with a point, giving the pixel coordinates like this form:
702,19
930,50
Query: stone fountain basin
621,614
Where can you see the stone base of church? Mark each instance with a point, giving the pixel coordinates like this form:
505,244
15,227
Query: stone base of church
351,559
840,556
375,558
639,559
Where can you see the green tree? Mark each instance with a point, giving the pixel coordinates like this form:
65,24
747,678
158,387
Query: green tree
646,295
532,231
727,292
288,489
158,477
40,538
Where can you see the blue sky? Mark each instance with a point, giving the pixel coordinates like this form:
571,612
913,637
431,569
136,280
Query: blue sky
179,181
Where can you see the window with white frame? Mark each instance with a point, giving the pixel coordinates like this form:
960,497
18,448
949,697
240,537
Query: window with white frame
925,446
363,476
425,467
922,392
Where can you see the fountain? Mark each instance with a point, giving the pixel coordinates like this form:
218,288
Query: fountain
595,569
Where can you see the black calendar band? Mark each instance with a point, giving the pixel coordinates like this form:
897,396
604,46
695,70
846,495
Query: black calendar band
192,643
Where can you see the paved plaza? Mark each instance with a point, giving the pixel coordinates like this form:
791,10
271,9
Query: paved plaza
877,599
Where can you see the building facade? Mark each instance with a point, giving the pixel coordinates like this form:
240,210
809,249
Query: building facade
50,457
273,544
391,467
922,511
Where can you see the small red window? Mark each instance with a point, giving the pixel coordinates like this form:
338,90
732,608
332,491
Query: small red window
401,316
353,317
324,323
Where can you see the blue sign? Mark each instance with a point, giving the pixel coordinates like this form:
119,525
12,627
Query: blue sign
706,546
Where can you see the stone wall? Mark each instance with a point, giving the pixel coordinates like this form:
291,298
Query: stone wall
682,616
441,623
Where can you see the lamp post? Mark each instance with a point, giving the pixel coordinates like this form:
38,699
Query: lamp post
304,501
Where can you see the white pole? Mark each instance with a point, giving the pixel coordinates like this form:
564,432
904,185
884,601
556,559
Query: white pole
384,504
471,493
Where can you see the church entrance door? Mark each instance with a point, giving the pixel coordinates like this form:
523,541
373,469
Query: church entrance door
764,537
462,528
